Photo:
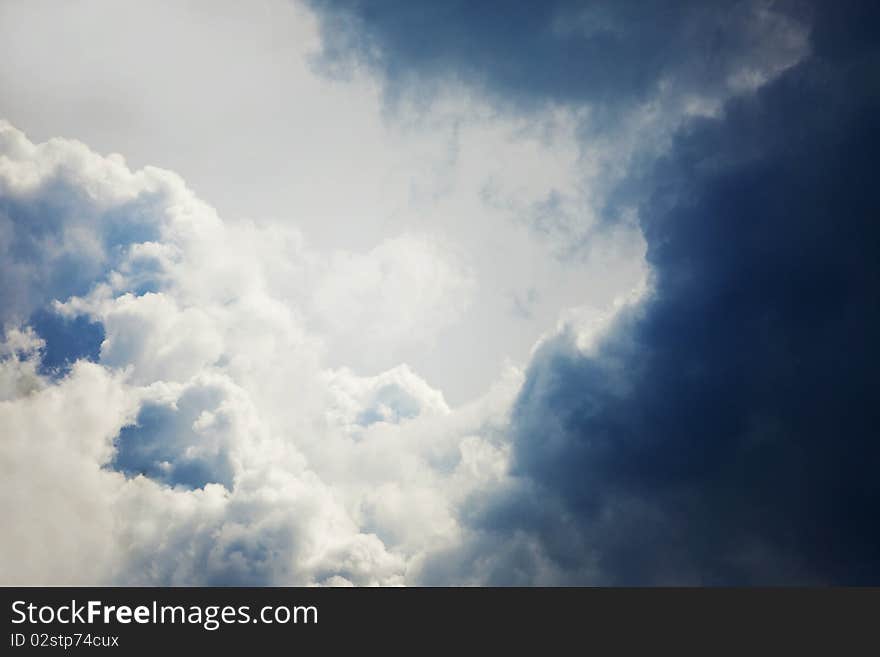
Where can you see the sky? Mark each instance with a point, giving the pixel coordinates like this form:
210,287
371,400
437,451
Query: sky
412,293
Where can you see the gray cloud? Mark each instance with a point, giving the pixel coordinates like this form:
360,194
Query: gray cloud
721,431
526,54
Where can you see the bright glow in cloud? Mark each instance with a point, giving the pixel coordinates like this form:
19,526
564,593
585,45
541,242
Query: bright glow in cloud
209,420
232,101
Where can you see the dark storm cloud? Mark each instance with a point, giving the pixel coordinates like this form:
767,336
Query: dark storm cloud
527,53
726,430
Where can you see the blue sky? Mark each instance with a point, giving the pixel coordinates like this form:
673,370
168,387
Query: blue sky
352,293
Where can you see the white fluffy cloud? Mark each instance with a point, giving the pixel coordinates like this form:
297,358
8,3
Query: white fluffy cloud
208,443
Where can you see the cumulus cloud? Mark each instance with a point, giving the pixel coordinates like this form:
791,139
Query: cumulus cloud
55,438
197,438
